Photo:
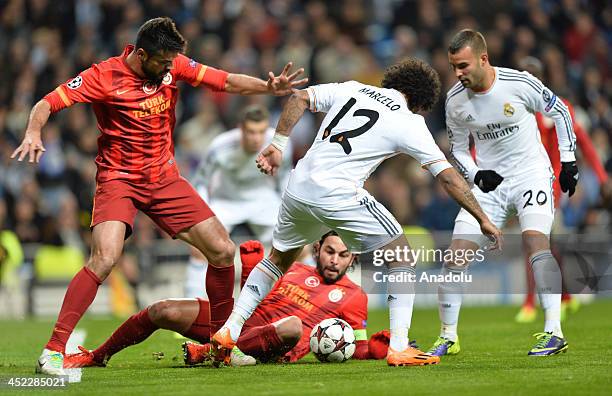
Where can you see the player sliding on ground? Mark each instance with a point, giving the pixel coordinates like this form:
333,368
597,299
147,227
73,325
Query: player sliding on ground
512,174
364,125
134,96
280,327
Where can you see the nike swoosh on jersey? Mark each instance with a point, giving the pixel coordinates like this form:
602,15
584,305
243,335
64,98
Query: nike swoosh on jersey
122,92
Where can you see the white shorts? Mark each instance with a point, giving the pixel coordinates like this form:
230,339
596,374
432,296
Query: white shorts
365,226
259,216
528,196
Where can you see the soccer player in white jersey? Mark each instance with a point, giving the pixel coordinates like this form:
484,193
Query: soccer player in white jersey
512,175
364,125
234,189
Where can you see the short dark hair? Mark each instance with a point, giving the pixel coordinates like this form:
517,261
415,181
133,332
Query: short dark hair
418,81
254,113
468,38
160,34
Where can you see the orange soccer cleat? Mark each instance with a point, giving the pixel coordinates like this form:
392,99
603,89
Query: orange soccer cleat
410,357
222,345
195,353
84,358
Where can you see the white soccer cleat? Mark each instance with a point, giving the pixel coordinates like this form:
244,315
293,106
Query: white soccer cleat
239,358
50,363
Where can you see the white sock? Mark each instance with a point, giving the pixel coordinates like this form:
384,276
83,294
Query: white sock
257,286
195,279
547,275
401,302
450,296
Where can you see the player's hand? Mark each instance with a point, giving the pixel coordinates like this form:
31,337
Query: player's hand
568,178
269,160
378,344
493,233
285,83
487,180
31,146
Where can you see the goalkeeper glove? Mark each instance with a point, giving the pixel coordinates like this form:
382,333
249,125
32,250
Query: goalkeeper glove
487,180
568,178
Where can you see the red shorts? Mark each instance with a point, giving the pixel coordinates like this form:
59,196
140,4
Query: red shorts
173,204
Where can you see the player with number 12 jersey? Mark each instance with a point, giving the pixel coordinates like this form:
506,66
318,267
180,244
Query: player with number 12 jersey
364,126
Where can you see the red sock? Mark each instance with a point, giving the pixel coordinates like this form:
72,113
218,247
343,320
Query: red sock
133,331
220,290
79,296
251,253
200,328
530,297
262,342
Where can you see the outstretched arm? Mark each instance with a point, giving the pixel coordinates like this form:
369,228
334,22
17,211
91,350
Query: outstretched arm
457,188
270,159
32,142
280,85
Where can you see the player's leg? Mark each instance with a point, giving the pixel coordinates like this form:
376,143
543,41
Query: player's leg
112,221
366,227
271,341
296,226
534,202
189,317
466,239
179,210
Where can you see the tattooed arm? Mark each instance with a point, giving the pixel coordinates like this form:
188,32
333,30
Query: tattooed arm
456,186
270,159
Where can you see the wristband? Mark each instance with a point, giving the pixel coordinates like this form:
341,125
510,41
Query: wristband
280,141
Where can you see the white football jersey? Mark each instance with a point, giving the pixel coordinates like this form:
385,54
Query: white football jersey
226,172
503,125
364,126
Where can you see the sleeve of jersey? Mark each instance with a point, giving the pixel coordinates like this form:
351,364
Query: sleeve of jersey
420,145
355,312
322,96
196,73
459,139
542,99
87,87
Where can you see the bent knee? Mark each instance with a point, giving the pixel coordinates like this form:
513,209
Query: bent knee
290,330
164,312
222,253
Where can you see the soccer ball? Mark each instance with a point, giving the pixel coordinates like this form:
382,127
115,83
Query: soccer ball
332,340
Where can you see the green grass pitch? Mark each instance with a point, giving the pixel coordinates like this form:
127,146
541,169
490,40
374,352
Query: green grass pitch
493,361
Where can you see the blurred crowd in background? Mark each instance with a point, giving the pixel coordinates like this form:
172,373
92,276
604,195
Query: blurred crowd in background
44,43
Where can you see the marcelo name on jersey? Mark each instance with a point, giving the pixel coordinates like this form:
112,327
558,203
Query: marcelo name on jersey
377,96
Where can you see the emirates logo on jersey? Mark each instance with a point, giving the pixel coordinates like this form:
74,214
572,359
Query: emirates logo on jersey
167,79
148,87
335,295
312,281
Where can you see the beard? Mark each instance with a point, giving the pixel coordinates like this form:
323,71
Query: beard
326,280
152,76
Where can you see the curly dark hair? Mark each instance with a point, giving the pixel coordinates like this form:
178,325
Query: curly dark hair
418,81
160,34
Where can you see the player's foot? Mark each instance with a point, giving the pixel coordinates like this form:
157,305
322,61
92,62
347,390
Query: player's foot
444,346
527,314
548,345
222,345
239,358
50,363
410,357
195,353
84,358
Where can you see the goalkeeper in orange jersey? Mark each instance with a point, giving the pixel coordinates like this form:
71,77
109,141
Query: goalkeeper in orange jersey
280,327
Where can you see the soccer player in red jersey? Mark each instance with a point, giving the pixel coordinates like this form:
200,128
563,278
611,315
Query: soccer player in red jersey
279,329
134,96
548,133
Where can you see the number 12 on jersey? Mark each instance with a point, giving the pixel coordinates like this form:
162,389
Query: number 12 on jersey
343,138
